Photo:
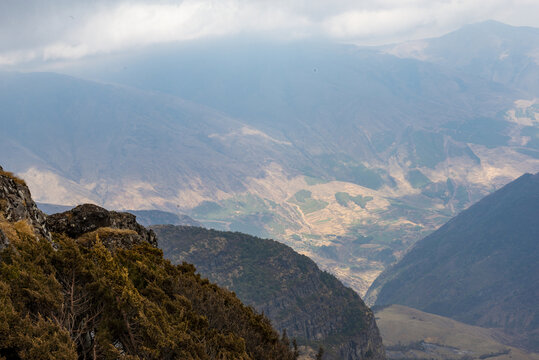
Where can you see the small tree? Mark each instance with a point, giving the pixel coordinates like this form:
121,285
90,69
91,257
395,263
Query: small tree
320,353
285,339
295,347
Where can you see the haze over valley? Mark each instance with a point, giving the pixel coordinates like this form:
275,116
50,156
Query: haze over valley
347,154
285,158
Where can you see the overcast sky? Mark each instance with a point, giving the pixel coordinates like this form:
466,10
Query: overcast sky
50,30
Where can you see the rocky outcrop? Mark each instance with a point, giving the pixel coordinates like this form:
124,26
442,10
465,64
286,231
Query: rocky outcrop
16,203
88,218
4,241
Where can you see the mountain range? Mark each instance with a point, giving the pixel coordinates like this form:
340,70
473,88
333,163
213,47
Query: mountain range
347,154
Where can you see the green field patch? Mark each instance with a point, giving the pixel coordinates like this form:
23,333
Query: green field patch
233,207
311,236
417,179
344,168
306,203
344,198
310,180
360,200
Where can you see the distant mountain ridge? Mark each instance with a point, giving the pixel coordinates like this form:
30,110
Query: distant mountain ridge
347,154
480,268
311,305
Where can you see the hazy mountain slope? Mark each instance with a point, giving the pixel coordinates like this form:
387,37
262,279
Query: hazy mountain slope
492,50
323,97
119,146
109,293
348,155
311,305
480,268
413,334
430,139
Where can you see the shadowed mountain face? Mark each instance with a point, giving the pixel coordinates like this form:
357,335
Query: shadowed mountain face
349,155
311,305
480,268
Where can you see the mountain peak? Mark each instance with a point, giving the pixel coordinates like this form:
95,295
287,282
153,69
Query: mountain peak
16,203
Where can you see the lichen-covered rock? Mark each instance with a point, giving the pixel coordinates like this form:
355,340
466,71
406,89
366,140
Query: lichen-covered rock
4,241
88,218
16,203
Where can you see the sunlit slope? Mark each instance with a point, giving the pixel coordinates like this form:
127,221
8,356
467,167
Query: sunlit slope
413,334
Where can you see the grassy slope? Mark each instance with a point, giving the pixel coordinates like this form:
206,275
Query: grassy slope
404,325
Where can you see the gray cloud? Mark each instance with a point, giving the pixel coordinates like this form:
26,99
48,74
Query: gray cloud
37,30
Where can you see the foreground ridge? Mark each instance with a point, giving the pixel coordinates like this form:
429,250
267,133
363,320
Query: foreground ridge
311,305
104,291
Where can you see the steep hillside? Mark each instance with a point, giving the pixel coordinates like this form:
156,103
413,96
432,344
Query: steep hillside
311,305
480,268
106,292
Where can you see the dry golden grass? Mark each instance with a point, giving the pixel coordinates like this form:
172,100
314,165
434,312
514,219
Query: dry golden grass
8,229
12,177
24,228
